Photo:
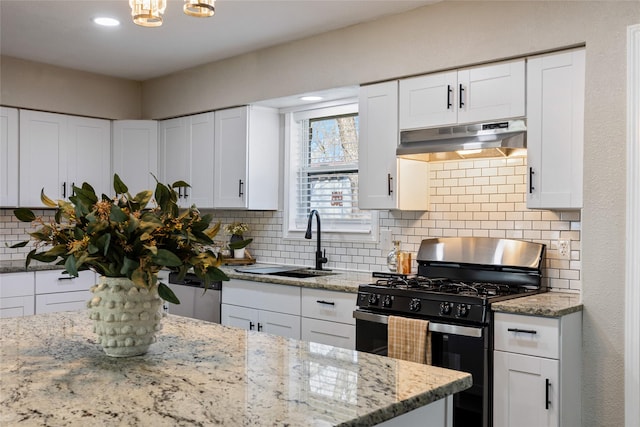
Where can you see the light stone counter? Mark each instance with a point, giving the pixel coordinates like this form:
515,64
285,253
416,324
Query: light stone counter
198,373
17,266
548,304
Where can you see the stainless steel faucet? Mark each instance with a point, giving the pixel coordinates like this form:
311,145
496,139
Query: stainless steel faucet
320,256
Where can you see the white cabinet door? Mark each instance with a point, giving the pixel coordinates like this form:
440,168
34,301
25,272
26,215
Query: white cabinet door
429,100
330,333
526,391
135,153
555,130
53,281
62,301
284,325
490,92
17,294
239,317
231,130
8,156
88,152
247,158
386,182
42,157
201,137
175,153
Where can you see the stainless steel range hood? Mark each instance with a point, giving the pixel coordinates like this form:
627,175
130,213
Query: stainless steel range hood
496,139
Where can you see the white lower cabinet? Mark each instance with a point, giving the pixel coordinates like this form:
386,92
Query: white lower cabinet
16,294
60,292
264,307
327,317
537,369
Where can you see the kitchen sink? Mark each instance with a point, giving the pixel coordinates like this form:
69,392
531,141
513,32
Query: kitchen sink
304,273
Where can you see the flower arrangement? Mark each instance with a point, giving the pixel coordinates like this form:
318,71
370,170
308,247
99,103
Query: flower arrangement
121,237
237,228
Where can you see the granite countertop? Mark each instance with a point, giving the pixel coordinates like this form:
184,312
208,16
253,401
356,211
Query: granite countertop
548,304
341,280
201,373
17,266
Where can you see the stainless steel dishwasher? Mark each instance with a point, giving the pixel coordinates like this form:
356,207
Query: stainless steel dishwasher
194,302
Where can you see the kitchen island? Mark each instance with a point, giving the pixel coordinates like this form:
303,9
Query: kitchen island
52,372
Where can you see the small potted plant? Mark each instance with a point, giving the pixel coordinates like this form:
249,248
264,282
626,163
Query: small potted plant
237,242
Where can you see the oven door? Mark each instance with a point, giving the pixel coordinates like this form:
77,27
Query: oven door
462,348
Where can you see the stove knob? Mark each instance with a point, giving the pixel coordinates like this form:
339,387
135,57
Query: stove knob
373,299
462,310
415,305
445,308
386,302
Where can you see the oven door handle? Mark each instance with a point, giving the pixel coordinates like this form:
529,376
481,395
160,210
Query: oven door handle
466,331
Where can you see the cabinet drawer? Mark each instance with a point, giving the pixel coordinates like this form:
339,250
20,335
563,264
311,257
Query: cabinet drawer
263,296
16,306
16,284
535,336
63,301
52,281
330,333
328,305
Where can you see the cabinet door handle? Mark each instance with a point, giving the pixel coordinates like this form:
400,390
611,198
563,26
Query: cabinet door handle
461,96
531,187
240,185
522,331
73,190
259,326
66,278
547,402
251,325
449,92
185,193
389,186
325,302
64,190
179,192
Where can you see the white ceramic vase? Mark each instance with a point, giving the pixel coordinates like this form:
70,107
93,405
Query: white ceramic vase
238,253
126,318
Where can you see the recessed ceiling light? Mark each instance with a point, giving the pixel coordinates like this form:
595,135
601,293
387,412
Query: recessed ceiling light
310,98
106,22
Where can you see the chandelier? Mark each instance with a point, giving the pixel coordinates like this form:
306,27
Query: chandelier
148,13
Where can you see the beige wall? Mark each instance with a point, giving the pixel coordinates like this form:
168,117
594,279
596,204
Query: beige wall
452,34
36,86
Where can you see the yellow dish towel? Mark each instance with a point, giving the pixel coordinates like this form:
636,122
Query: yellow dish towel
409,339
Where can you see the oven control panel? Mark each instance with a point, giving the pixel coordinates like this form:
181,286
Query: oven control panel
428,307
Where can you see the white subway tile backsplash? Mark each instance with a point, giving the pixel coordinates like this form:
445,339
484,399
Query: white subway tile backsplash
481,198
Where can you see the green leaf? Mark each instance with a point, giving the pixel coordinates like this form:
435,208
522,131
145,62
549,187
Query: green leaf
118,185
166,258
86,195
180,184
56,251
128,266
240,244
47,201
143,197
43,258
24,214
167,294
70,266
162,195
117,215
215,275
20,245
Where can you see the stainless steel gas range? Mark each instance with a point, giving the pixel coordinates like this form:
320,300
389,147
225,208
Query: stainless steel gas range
457,280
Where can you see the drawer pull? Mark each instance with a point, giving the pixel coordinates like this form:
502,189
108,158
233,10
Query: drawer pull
325,302
546,398
523,331
251,325
66,278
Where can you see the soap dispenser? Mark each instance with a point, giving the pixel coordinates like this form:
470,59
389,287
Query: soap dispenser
392,258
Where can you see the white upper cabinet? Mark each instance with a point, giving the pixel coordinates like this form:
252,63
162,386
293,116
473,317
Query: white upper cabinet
135,153
490,92
247,157
555,130
187,154
386,182
8,156
58,151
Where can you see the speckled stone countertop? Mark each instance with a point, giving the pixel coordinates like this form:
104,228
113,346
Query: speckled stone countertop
548,304
344,281
200,373
17,266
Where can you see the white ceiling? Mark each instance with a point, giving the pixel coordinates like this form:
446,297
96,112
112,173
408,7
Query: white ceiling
60,32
